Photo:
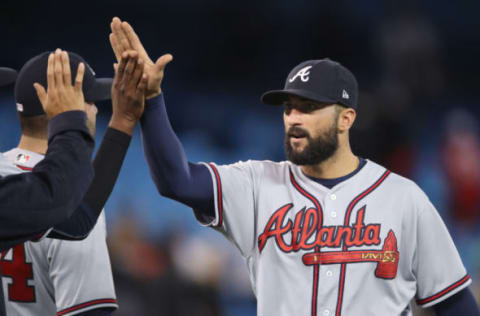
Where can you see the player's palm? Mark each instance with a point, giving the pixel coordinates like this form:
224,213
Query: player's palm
123,38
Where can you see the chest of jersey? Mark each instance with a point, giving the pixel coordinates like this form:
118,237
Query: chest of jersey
367,246
311,217
349,236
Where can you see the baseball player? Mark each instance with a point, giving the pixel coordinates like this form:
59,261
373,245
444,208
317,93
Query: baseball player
62,277
50,185
325,232
31,203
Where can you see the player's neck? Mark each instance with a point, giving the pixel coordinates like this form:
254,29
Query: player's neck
37,145
338,165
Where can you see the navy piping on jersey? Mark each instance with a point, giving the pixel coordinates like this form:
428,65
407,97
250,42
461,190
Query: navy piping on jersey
330,183
316,267
105,302
445,291
348,212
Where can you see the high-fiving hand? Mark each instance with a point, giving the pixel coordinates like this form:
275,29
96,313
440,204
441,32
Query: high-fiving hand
61,95
123,38
128,92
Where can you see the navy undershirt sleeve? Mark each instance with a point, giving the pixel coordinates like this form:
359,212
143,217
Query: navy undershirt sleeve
462,303
98,312
107,164
174,177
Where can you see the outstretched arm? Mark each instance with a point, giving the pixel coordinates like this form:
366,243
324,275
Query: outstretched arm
128,104
173,175
107,164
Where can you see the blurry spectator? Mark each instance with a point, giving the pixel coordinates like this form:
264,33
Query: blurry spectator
410,77
148,283
461,155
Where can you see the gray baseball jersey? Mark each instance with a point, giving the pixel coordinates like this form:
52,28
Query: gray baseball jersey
6,166
368,246
57,277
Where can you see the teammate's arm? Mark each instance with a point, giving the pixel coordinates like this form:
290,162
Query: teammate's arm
462,303
173,175
32,202
128,103
98,312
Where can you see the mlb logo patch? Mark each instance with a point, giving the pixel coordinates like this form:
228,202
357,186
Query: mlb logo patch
22,158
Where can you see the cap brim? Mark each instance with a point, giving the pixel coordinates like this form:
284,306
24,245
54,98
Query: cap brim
7,76
100,91
279,97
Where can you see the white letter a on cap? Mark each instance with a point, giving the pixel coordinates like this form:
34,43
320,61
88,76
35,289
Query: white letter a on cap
302,73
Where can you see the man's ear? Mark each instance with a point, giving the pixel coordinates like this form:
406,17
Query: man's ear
346,118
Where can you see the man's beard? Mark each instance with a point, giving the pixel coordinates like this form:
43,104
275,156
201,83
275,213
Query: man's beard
316,151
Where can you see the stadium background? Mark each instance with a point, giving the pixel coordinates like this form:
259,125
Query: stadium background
417,66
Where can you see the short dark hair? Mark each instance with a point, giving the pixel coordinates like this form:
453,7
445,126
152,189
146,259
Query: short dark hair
35,126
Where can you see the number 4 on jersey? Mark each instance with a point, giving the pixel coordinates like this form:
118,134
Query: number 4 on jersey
20,271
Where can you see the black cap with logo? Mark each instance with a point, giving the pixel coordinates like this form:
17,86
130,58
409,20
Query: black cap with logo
35,70
7,76
322,80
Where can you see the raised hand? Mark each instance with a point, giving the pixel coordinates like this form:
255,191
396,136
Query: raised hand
60,95
123,38
128,92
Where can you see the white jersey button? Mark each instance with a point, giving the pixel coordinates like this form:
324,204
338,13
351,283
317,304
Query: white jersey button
333,197
333,214
326,312
329,273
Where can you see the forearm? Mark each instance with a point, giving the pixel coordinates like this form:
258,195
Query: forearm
173,175
462,303
107,164
33,202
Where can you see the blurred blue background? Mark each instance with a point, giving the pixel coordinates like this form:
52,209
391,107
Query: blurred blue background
417,66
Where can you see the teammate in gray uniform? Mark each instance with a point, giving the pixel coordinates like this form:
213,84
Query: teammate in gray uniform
54,276
326,232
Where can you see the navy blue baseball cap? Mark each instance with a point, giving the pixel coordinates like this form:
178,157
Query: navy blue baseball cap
321,80
35,70
7,76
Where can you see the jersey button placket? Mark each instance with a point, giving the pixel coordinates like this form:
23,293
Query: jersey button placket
327,292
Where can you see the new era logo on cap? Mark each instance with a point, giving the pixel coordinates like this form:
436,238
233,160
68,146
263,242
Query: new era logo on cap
345,94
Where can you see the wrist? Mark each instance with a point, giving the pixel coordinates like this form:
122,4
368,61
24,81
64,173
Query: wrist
123,124
153,94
